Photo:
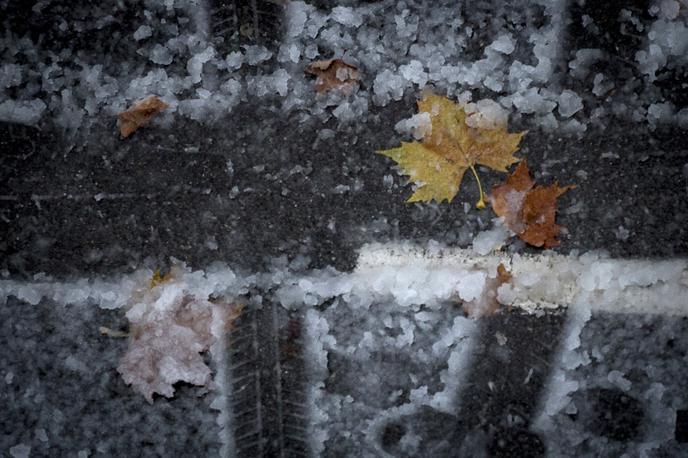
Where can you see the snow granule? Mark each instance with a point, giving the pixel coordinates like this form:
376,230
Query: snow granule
296,15
660,113
388,84
161,55
670,9
289,53
503,44
486,114
41,435
569,103
600,86
142,33
234,60
20,451
256,54
195,65
617,379
491,240
346,16
415,73
10,75
277,82
418,125
27,112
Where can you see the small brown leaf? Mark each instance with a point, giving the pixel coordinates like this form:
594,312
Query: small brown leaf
529,210
507,199
139,114
487,303
539,214
503,275
159,278
333,74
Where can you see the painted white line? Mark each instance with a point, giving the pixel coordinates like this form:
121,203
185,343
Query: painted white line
410,276
550,280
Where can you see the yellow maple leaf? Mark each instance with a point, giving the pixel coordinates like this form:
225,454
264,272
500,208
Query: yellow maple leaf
437,163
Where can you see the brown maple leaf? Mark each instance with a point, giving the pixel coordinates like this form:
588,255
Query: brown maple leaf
487,303
139,114
529,210
503,275
333,74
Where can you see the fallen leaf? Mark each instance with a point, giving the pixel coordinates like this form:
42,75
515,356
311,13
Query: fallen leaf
449,148
503,275
139,114
170,330
487,303
508,198
529,210
159,278
333,74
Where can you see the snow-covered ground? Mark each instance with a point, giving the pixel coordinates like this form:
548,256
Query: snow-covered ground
512,58
398,323
396,326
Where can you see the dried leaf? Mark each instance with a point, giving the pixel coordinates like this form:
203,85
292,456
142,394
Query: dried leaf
503,275
449,148
508,198
169,331
487,303
333,74
529,210
159,278
139,114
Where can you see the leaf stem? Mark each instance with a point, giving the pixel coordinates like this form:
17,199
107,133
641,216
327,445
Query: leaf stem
105,331
481,203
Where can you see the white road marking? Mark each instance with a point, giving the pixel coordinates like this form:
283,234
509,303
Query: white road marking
551,280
